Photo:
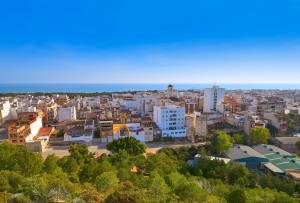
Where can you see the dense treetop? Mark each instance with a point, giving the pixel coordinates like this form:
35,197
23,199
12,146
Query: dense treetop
259,135
130,176
128,144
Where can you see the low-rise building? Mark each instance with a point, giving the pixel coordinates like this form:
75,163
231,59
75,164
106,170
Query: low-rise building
253,121
41,140
128,130
93,102
235,120
287,143
80,132
106,130
62,99
280,161
17,132
22,131
278,120
234,105
148,126
49,110
271,104
246,156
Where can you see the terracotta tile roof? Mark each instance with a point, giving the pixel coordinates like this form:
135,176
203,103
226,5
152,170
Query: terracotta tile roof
46,131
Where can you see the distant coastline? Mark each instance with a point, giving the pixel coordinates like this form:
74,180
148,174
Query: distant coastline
110,88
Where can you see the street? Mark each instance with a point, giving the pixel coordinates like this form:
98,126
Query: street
99,149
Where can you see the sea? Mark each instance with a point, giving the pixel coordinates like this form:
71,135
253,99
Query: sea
93,88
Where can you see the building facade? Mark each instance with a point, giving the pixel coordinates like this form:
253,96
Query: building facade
67,113
213,99
170,119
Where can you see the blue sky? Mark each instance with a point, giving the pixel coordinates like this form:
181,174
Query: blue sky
157,41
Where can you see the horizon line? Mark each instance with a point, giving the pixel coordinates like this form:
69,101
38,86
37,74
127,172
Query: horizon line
150,83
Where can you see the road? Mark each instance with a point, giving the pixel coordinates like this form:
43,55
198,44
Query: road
99,149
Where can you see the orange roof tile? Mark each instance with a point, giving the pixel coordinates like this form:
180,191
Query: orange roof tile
46,131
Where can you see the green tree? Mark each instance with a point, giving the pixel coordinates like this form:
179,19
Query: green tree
80,153
19,198
174,180
89,171
221,142
107,182
281,184
210,169
36,189
161,177
105,165
127,193
259,135
90,195
158,188
189,191
203,153
129,144
237,195
268,195
161,163
18,158
10,181
69,165
60,133
4,184
239,138
50,164
237,174
293,123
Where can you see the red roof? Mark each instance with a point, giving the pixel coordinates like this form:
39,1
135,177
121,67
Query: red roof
46,131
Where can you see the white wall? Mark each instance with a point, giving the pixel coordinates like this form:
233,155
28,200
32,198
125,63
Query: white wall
34,129
5,112
67,113
91,101
69,138
170,119
129,104
213,99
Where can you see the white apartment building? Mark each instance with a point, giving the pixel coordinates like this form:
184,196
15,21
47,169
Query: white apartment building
4,112
35,126
129,103
91,101
170,119
213,99
67,113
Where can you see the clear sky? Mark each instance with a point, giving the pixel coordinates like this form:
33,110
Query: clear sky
150,41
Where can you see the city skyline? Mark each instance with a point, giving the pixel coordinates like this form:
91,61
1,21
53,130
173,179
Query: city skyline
150,101
157,42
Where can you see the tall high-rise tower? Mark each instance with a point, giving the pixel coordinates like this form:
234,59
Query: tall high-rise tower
213,99
170,91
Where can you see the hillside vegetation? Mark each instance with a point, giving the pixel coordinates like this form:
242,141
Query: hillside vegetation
130,176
